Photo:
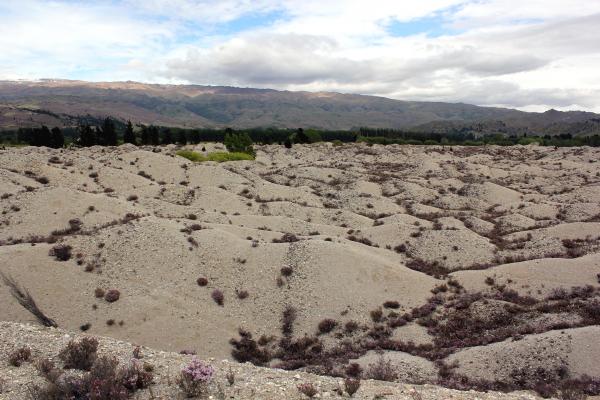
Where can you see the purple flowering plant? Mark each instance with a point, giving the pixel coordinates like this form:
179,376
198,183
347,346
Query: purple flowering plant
196,377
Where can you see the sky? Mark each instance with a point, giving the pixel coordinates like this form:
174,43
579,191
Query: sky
527,54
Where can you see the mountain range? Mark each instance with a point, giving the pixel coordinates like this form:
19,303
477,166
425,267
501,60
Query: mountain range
65,103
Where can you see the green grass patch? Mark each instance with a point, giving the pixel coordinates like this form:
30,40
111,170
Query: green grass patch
218,156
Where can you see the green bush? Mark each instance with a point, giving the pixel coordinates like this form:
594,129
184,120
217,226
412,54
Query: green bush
219,156
239,143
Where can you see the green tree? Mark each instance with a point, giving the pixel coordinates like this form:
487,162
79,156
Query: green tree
195,136
288,143
301,137
181,138
107,135
167,137
86,136
57,139
129,135
41,137
145,135
239,142
154,135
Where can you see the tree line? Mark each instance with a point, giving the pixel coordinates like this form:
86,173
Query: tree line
111,132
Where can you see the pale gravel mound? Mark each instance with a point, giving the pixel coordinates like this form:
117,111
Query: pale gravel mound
409,368
492,193
536,278
55,206
454,249
574,348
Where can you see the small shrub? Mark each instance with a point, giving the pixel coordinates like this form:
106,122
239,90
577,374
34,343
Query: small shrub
242,294
286,271
230,376
132,197
61,252
112,295
195,378
307,389
377,315
288,318
202,281
47,369
217,296
391,304
286,238
351,386
382,370
80,354
137,375
99,293
85,327
354,370
327,325
43,180
19,356
351,326
246,349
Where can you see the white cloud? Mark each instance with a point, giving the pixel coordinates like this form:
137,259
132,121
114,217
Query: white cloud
527,54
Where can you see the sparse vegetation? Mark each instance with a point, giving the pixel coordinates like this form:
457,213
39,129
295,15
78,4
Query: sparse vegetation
19,356
216,156
218,296
308,389
80,354
195,378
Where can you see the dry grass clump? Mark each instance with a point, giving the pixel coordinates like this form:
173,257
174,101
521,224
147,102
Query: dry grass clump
307,389
112,295
286,238
327,325
80,354
218,297
19,356
382,370
202,281
351,386
61,252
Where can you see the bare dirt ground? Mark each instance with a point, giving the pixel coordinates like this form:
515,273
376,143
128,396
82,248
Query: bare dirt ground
449,262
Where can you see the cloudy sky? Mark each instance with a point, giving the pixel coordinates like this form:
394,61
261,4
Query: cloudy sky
528,54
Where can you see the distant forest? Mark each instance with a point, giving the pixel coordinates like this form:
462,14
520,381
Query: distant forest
111,132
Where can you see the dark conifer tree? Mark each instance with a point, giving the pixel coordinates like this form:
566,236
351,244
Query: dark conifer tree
181,138
87,136
129,135
288,143
145,135
167,137
107,136
154,136
57,138
301,136
195,137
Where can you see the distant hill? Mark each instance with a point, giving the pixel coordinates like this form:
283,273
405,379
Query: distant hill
64,103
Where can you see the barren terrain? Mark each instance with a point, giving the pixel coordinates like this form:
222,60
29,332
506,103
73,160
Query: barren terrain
468,267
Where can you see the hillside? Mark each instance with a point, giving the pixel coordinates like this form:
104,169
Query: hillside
469,267
249,382
61,103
